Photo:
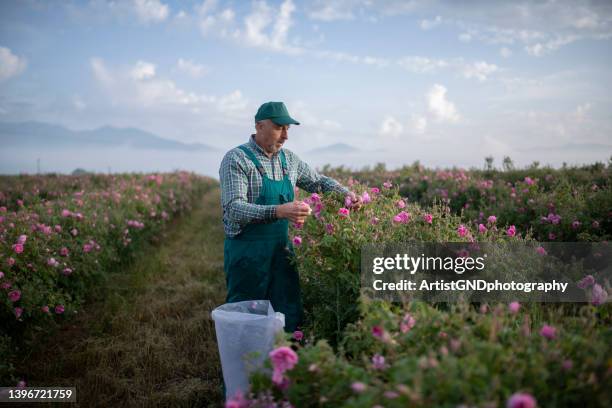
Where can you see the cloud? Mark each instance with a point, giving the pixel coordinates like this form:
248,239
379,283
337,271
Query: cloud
421,64
151,10
465,37
418,124
328,10
429,24
540,27
479,70
505,52
391,127
441,108
100,71
138,87
10,64
216,23
233,102
306,117
262,16
539,49
143,70
191,68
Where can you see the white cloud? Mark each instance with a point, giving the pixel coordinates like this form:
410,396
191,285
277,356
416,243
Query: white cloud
337,56
227,15
207,6
391,127
418,124
429,24
306,117
191,68
465,37
151,10
505,52
128,88
441,108
216,23
100,71
263,16
143,70
421,64
379,62
479,70
233,102
328,10
539,49
10,64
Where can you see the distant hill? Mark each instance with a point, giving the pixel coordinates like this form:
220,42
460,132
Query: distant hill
50,136
337,148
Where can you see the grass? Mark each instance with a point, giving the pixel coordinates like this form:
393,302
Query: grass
147,338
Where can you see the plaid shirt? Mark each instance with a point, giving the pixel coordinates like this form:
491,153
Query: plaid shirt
241,184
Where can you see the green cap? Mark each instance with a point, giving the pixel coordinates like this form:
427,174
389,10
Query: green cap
276,112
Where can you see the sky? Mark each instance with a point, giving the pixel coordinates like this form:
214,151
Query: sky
443,82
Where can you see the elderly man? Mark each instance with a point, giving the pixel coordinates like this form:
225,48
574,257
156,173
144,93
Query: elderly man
257,195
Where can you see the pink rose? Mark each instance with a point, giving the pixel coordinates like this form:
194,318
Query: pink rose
521,400
378,362
407,323
14,295
358,387
548,332
298,335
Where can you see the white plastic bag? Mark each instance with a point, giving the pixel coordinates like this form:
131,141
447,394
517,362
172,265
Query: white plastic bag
243,329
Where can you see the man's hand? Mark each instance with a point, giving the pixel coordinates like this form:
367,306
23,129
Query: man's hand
295,211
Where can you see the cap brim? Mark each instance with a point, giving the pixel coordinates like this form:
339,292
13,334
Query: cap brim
285,120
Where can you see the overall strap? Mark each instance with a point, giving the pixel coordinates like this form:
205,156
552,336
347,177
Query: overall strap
253,159
283,162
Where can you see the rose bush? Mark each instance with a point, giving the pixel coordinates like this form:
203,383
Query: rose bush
567,204
466,356
61,235
359,352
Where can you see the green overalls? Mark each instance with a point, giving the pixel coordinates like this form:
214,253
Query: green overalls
256,261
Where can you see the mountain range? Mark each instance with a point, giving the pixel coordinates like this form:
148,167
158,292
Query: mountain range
51,136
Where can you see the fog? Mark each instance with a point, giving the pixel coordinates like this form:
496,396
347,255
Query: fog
124,159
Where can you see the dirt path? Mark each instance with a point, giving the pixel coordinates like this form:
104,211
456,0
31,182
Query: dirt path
150,341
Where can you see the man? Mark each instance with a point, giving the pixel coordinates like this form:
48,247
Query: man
257,195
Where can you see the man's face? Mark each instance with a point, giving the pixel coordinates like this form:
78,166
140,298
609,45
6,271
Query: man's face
271,136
